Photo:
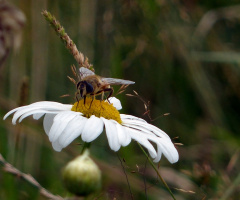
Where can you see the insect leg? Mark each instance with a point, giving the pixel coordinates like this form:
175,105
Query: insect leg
102,95
77,99
92,101
110,90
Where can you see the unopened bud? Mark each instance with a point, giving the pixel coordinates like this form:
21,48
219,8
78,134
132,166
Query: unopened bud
82,176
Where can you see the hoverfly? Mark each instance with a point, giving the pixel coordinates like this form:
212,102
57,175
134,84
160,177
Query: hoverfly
92,84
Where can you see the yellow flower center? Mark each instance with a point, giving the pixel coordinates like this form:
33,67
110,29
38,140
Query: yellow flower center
97,108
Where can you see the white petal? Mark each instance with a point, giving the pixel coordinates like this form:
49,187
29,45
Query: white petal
73,131
43,105
157,131
12,111
159,156
52,105
37,116
168,149
116,103
144,126
123,136
47,122
131,117
35,112
92,129
143,140
139,128
60,122
21,111
56,146
112,135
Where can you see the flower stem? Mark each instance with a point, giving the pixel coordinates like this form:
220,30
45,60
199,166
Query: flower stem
159,175
79,57
86,146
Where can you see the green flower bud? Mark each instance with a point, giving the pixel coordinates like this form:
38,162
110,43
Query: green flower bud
82,176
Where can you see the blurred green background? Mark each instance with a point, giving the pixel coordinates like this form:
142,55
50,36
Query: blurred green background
183,56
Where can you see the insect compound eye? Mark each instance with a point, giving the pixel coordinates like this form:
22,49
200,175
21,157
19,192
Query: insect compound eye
84,88
89,88
81,86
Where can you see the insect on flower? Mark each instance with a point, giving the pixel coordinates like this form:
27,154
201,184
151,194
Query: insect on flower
92,84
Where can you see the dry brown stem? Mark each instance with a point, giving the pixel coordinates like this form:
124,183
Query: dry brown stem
7,167
79,57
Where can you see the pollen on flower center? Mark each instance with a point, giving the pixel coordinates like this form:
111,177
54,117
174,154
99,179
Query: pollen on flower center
97,108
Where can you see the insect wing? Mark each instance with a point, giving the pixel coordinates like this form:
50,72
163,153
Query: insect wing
84,72
115,81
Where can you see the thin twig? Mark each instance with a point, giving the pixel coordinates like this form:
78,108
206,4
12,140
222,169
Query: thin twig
79,57
146,106
126,176
28,178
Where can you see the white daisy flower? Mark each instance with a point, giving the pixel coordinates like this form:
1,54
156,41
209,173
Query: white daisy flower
64,123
